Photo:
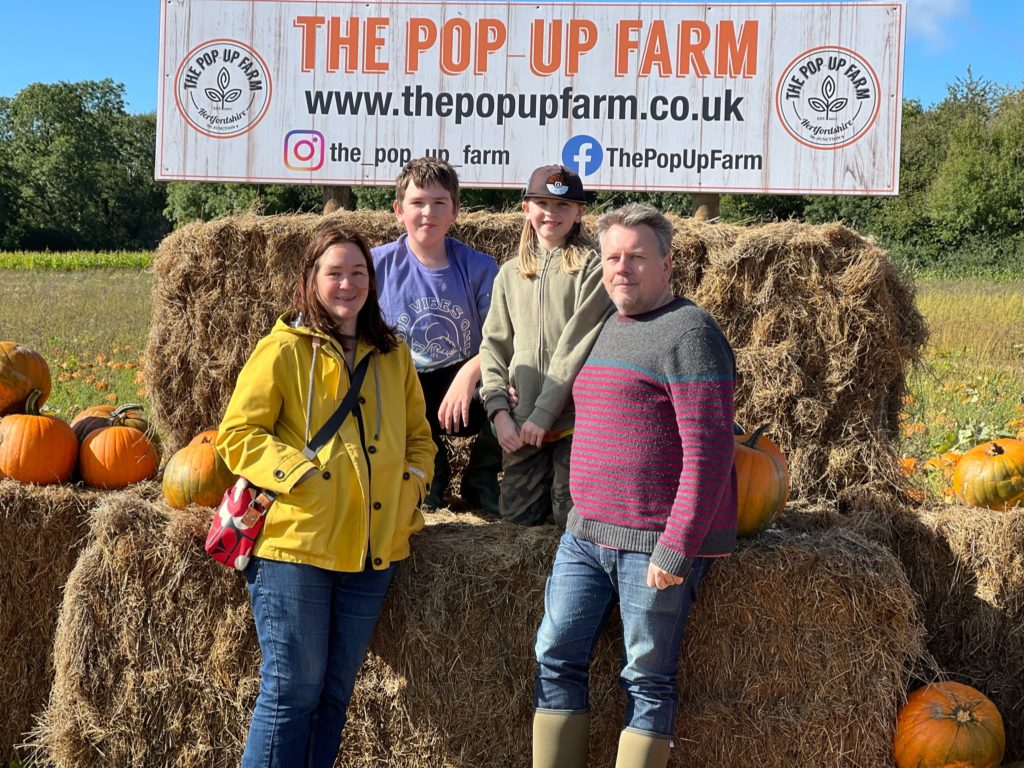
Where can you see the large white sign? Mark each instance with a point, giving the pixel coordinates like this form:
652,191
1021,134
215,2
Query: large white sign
780,98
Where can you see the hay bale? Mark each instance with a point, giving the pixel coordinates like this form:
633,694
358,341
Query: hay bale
799,652
823,327
967,565
41,531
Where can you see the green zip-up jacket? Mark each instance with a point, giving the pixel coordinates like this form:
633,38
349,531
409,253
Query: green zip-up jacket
537,335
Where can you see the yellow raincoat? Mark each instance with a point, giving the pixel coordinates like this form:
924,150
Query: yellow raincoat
363,500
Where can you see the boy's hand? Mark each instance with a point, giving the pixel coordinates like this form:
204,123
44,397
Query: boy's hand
454,411
532,434
508,433
513,397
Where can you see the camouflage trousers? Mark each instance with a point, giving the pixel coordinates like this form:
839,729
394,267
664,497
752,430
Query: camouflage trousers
535,485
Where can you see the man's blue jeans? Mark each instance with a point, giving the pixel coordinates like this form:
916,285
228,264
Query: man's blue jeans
585,581
314,627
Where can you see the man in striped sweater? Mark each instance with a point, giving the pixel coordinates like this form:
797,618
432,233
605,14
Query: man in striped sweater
654,494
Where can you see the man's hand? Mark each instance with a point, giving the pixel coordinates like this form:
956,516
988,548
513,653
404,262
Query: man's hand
532,434
454,411
508,433
660,578
513,398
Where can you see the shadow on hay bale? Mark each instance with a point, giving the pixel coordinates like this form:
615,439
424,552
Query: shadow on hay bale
966,565
798,652
823,327
42,529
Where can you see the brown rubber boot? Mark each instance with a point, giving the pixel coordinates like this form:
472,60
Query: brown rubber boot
560,739
642,750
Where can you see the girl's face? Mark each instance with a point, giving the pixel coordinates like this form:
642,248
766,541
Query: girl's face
552,219
342,284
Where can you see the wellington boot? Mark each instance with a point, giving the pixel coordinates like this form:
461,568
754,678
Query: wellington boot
642,750
560,739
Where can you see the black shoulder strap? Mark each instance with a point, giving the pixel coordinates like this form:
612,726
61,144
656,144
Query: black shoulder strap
334,423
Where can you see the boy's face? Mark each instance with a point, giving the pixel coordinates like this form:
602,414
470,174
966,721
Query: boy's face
426,213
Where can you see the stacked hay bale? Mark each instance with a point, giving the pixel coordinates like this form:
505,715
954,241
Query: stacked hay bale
823,327
967,566
42,530
798,652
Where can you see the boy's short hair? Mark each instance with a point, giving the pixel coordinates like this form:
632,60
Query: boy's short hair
424,171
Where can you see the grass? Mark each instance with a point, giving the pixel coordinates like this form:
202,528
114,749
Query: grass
89,325
970,388
76,260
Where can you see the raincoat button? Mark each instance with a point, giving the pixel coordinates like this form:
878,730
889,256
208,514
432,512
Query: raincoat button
405,475
327,475
279,474
362,400
372,449
377,561
376,505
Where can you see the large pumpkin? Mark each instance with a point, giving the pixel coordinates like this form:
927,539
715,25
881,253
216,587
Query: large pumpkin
991,474
762,482
116,457
196,474
101,416
22,370
35,448
945,725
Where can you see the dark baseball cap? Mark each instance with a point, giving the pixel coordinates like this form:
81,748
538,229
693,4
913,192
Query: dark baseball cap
556,182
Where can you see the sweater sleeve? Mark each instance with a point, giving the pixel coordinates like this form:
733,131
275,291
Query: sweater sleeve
700,373
246,439
496,349
593,306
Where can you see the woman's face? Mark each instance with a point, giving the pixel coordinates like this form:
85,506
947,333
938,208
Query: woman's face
342,283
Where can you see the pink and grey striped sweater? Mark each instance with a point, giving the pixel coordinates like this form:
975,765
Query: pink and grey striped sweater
652,454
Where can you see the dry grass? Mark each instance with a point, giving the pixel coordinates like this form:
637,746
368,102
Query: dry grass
791,638
823,327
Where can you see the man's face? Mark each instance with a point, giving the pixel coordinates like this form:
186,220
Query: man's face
636,277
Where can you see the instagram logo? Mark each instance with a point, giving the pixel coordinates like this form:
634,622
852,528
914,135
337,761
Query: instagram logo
303,150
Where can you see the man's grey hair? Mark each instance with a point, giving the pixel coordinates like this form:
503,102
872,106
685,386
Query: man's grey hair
635,214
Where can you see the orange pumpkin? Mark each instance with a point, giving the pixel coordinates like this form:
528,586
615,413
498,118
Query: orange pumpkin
116,457
196,474
991,474
22,370
908,465
101,416
948,724
762,482
35,448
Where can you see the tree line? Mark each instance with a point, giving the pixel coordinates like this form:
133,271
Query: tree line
76,173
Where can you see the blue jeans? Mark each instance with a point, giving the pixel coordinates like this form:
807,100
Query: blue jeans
314,627
585,581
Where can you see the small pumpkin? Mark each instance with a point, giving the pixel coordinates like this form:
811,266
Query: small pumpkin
36,448
908,466
991,474
762,482
197,474
115,457
101,416
22,370
948,724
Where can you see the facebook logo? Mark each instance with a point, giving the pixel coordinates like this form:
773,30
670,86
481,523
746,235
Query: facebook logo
582,154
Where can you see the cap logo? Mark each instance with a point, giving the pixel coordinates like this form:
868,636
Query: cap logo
556,185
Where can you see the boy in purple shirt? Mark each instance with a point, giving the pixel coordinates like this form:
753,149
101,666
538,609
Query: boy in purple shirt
436,292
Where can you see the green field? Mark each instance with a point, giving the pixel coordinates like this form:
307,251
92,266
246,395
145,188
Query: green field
91,323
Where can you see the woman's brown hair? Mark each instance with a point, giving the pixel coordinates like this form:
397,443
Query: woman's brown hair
370,325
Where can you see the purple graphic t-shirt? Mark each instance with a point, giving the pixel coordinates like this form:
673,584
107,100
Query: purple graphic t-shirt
439,313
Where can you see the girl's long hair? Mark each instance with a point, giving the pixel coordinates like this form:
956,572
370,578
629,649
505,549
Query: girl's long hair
578,244
370,325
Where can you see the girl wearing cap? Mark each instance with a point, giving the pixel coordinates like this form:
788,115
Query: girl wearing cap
547,308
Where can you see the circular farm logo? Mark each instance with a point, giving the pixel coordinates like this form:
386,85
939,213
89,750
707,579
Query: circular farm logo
222,88
827,97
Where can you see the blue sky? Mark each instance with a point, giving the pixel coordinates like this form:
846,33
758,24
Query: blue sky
65,40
